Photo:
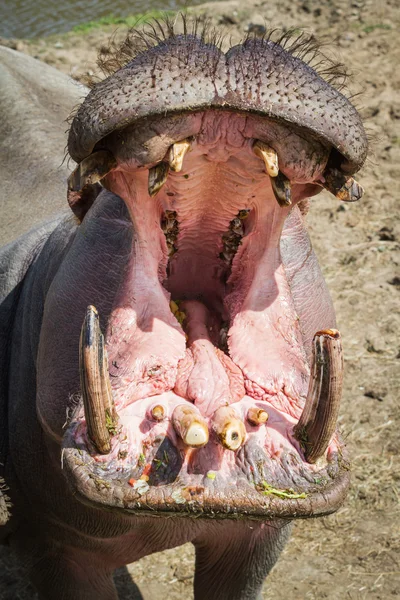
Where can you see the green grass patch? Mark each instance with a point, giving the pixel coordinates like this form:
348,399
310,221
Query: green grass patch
371,28
129,21
267,489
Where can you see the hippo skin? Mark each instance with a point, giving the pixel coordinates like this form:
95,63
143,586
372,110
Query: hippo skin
170,367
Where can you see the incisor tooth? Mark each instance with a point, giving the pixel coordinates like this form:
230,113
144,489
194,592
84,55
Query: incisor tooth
257,416
157,177
190,425
230,430
158,412
177,154
269,156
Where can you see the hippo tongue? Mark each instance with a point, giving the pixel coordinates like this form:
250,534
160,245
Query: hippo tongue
206,375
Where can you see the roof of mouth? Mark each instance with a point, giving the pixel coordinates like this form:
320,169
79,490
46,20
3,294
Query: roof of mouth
164,72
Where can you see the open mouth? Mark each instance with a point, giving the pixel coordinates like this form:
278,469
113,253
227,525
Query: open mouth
216,387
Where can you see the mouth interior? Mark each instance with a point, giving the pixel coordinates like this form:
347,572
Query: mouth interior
205,316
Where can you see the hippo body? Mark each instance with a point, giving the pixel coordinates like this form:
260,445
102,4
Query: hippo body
192,444
78,546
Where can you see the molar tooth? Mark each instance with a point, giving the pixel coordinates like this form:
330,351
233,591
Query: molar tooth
177,154
95,382
230,430
269,156
317,423
158,412
282,189
257,416
342,186
190,426
157,177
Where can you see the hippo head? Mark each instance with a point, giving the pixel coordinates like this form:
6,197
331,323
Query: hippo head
209,371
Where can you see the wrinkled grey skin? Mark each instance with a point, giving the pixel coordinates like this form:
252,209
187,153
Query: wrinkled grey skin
71,549
35,101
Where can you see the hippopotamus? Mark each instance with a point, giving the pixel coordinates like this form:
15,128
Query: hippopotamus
171,367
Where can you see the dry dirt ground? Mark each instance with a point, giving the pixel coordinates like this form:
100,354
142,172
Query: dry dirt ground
354,554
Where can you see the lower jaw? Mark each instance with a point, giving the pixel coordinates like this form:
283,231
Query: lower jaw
258,486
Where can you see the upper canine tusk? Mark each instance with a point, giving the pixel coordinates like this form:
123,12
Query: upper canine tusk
83,183
95,382
91,170
318,421
282,189
342,186
177,154
190,425
269,156
230,430
157,177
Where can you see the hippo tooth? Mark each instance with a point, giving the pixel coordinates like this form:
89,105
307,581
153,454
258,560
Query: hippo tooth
91,170
229,429
157,177
177,154
342,186
282,189
158,412
83,183
269,156
190,426
317,423
257,416
95,382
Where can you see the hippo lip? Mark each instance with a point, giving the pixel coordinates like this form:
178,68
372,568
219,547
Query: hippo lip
202,400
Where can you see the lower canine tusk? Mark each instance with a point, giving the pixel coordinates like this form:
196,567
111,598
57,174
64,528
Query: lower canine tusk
318,421
83,183
95,383
190,426
230,430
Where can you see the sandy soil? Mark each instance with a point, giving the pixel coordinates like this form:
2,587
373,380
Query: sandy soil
354,554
